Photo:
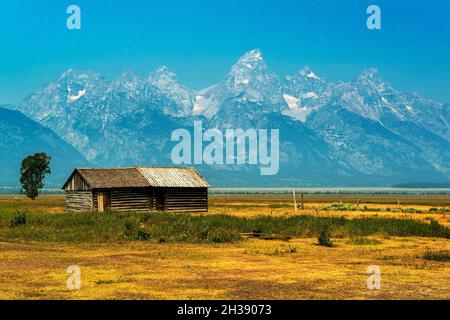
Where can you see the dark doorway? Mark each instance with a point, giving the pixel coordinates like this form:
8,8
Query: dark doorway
160,200
107,201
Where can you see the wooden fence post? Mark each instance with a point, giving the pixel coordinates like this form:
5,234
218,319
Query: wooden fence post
295,202
303,206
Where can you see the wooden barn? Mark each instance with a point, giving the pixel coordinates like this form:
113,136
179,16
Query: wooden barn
136,189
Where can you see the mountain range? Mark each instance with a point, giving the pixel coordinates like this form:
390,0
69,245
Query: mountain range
21,137
359,133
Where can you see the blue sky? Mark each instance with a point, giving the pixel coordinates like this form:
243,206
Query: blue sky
201,39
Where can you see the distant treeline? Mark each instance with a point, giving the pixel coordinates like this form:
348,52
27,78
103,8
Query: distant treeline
13,191
348,191
325,191
424,185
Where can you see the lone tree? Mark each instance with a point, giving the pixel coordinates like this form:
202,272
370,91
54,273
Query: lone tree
33,170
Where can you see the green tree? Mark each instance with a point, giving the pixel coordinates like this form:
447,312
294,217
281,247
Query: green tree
33,170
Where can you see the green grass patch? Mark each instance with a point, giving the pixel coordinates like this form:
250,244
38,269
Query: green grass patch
411,210
173,227
282,251
348,207
363,241
437,255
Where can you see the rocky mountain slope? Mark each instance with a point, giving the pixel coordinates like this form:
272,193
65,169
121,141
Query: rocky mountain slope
21,137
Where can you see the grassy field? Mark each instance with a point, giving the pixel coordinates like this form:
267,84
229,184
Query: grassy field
210,256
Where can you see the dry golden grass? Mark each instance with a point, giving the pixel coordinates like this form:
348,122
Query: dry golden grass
254,269
283,205
251,269
43,204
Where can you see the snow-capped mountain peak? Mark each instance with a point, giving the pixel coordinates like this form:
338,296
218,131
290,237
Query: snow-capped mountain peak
250,81
251,56
250,67
371,77
128,81
308,73
73,75
163,77
370,73
74,84
168,85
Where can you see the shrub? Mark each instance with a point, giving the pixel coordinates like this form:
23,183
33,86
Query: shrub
216,239
142,235
324,239
347,207
437,255
411,210
223,235
362,241
372,209
185,236
145,217
438,230
129,229
282,251
18,219
339,207
440,210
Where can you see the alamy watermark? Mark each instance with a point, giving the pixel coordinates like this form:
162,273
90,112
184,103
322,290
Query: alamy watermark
73,21
233,147
374,279
374,20
74,279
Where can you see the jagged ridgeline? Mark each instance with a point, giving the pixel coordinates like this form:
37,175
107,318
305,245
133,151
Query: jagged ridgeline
361,133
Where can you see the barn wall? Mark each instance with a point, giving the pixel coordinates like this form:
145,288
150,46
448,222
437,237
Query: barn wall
126,199
144,199
76,183
79,201
186,199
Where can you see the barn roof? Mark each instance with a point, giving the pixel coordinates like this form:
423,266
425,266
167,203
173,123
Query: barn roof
141,177
113,178
173,177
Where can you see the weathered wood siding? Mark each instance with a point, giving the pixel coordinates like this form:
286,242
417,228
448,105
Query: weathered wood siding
76,183
126,199
140,199
79,201
186,199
